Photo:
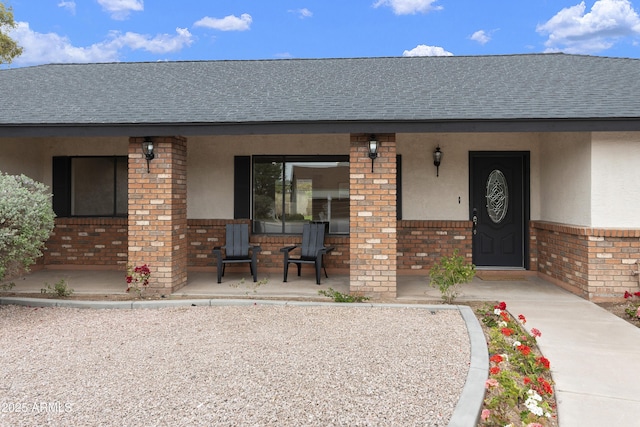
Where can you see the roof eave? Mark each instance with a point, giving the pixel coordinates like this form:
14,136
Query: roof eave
320,127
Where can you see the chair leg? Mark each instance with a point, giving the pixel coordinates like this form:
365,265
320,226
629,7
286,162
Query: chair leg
220,269
299,267
318,264
254,269
286,270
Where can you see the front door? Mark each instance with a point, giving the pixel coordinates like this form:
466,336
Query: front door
499,204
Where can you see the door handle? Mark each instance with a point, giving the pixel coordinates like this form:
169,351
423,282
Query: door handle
475,221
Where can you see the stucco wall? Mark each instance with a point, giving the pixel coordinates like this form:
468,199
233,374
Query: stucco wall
615,191
32,157
565,176
427,197
210,166
22,157
210,160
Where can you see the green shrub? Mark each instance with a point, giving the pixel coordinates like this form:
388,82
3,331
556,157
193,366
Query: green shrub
340,297
60,289
450,272
26,222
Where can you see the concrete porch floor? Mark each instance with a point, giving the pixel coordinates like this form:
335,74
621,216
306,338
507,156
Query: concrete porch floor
410,288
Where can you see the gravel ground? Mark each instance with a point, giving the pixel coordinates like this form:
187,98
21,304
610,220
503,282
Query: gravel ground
231,366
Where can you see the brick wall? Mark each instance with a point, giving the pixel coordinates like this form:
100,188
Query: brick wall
593,263
88,242
422,243
204,234
373,224
157,220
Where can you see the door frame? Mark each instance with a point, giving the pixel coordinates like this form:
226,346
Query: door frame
526,196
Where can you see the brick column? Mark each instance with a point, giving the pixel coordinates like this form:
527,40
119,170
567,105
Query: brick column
373,238
157,225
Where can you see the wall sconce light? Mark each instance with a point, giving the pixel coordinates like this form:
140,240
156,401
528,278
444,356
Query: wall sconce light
373,149
147,149
437,158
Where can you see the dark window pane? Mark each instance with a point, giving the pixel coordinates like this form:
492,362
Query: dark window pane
290,191
98,186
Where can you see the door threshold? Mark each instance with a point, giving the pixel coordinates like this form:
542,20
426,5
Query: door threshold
503,274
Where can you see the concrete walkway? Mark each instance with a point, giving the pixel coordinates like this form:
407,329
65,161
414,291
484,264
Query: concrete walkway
595,356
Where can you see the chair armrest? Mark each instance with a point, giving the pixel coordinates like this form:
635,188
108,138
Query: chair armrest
288,248
256,248
325,250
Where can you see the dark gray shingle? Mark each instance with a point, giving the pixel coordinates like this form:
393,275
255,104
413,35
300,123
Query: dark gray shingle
538,86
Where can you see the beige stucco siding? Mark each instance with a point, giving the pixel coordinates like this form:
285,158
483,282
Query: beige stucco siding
576,178
210,160
427,197
565,175
615,192
32,156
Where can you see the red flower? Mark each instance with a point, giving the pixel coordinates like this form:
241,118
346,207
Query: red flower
543,361
536,333
522,318
507,331
627,294
494,370
496,358
504,316
525,350
527,380
637,294
129,279
501,306
546,387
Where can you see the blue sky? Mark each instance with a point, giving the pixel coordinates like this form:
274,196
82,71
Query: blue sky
60,31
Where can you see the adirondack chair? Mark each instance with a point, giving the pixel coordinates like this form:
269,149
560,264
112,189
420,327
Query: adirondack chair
237,250
312,250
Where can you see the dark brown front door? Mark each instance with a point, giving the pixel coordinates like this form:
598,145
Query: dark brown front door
499,207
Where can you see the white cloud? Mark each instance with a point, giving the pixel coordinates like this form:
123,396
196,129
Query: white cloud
481,37
161,43
120,9
228,23
424,50
408,7
42,48
69,5
302,13
573,31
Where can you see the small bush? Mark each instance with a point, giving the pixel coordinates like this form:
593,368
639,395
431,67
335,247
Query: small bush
340,297
59,289
450,272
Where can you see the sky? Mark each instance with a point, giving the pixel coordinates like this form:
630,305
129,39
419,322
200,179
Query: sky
79,31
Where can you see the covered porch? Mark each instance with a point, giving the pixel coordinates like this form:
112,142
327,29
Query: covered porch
108,284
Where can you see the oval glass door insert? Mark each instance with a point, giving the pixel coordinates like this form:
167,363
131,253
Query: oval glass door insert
497,196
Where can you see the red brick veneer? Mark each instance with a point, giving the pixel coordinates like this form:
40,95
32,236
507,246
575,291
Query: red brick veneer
595,263
422,243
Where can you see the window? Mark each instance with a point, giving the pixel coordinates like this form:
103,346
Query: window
291,190
90,186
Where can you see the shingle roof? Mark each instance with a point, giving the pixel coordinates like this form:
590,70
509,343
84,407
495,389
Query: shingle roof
418,89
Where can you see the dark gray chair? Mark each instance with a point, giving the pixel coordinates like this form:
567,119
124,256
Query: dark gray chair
312,250
237,250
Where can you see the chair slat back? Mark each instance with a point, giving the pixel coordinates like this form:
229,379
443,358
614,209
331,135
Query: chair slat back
312,239
237,243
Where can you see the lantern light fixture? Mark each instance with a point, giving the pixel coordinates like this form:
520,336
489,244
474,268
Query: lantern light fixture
373,149
437,158
147,149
